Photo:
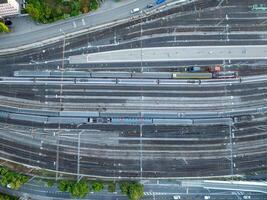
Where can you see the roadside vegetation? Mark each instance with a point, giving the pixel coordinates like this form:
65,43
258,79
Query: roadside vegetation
7,197
4,28
12,179
47,11
133,190
76,189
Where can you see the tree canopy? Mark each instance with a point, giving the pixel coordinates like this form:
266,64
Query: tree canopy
133,190
46,11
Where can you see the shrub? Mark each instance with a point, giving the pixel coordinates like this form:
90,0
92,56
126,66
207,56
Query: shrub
133,190
93,4
79,189
97,186
76,189
12,179
111,186
4,28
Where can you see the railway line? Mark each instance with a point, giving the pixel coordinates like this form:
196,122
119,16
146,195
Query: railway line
136,120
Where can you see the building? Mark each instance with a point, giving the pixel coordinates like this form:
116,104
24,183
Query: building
9,8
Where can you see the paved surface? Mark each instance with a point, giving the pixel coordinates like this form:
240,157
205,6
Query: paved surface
24,24
156,191
174,54
27,31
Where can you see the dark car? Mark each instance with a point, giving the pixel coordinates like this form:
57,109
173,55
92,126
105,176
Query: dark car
6,21
150,5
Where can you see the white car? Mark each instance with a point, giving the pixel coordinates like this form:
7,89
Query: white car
135,10
176,197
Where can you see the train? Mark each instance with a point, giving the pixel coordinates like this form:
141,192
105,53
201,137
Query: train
129,118
129,75
259,7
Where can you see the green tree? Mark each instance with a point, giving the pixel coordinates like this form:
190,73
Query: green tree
14,180
133,190
80,189
93,4
64,186
3,181
124,186
75,8
47,12
7,197
97,186
50,182
33,12
112,186
136,191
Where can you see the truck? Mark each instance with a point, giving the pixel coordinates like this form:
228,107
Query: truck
160,1
211,69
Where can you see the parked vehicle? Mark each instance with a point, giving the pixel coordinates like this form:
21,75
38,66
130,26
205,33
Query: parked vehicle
6,21
160,1
150,5
135,10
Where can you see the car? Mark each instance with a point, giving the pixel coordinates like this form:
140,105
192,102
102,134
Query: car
176,197
135,10
150,5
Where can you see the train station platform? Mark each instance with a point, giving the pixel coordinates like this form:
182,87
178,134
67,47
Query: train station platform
164,54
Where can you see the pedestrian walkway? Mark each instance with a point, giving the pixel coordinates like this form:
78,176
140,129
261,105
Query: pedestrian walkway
157,54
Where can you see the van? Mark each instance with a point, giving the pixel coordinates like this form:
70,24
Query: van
135,10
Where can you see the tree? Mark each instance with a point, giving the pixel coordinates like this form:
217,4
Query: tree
93,5
136,191
49,182
75,8
4,28
76,189
112,186
64,186
6,197
124,187
97,186
80,189
33,12
12,179
133,190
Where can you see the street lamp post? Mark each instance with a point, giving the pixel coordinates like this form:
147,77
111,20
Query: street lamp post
62,68
78,154
63,49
